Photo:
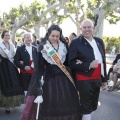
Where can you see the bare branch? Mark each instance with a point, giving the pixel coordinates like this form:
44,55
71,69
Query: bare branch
52,7
26,29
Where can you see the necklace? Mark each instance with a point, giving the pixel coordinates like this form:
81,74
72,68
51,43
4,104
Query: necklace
7,46
55,48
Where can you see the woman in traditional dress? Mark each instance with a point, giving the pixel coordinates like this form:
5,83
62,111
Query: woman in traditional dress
11,93
60,97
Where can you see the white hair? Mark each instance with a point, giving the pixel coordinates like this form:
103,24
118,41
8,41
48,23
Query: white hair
27,33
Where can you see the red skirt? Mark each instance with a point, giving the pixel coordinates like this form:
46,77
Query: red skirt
29,111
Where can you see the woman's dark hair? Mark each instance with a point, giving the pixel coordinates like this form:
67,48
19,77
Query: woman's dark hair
66,38
74,34
51,28
38,41
3,33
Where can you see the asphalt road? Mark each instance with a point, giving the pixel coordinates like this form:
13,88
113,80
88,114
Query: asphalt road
108,109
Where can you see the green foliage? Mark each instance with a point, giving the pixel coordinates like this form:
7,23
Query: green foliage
29,23
108,6
36,7
94,3
54,12
61,18
51,1
71,7
89,14
111,42
13,14
36,18
112,17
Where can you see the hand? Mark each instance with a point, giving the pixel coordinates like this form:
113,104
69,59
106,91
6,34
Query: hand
21,62
27,68
39,99
94,64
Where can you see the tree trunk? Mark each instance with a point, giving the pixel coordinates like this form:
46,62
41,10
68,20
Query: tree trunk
78,29
99,27
14,30
99,32
37,30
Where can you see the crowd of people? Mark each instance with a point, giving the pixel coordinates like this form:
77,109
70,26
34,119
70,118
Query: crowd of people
58,78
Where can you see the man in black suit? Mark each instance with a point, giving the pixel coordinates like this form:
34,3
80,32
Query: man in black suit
87,61
24,60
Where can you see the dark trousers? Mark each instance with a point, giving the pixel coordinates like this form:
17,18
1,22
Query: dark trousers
89,94
25,80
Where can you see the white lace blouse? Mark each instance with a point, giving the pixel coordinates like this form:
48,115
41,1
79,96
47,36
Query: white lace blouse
62,51
12,49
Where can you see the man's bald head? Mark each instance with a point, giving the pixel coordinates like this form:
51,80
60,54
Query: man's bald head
27,38
87,29
86,21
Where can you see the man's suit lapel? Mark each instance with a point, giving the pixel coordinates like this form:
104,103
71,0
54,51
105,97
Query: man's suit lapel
33,52
26,52
86,43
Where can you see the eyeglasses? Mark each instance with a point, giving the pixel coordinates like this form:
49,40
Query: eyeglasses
7,35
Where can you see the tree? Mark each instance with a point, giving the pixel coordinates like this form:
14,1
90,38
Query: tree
14,20
96,10
107,8
35,15
42,13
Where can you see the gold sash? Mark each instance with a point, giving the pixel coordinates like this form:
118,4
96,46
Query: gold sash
55,57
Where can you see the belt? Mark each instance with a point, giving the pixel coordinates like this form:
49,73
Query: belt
95,75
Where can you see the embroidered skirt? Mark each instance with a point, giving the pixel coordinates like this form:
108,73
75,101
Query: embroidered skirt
11,101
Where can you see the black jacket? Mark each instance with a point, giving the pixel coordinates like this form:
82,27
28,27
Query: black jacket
80,49
23,55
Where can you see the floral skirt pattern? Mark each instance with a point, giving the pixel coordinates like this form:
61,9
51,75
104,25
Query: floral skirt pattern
11,101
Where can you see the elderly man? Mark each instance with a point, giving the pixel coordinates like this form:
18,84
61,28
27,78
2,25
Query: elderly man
87,60
24,60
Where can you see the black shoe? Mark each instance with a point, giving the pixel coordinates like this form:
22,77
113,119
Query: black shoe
112,89
7,110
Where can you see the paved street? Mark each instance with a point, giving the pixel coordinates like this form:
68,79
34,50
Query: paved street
14,115
109,108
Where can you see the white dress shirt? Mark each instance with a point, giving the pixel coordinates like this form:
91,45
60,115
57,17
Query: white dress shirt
97,54
29,50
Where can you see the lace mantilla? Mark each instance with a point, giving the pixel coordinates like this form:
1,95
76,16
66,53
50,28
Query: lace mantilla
62,51
12,50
